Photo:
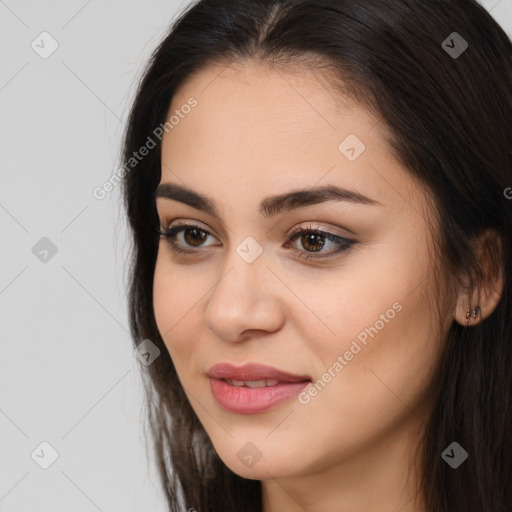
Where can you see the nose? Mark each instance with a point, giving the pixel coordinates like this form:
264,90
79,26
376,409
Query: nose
245,301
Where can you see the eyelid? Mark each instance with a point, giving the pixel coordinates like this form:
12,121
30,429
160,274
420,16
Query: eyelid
186,223
297,229
316,227
343,243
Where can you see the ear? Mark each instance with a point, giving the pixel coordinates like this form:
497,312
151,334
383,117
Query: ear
486,288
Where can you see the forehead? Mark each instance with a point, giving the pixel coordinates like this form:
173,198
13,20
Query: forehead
244,95
270,130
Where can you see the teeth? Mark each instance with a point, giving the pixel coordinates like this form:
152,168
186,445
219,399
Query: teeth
256,383
253,383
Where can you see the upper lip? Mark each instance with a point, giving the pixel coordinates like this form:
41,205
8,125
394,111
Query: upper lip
252,371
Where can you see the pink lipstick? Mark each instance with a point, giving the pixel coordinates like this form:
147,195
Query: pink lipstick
253,388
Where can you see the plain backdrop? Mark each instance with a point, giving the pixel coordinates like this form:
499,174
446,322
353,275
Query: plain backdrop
68,375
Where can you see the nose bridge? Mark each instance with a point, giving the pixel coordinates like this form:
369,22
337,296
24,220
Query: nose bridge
245,267
243,298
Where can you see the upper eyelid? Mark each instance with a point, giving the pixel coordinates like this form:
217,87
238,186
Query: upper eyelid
324,230
291,235
186,224
305,226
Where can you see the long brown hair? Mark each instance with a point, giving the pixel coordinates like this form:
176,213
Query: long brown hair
450,118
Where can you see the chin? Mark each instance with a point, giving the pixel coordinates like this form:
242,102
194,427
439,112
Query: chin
261,469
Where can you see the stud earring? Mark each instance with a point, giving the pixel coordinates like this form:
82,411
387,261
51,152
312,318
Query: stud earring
472,312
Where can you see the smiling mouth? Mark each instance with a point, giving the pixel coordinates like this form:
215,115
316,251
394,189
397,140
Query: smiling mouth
253,387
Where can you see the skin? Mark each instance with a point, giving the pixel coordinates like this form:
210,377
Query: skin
255,133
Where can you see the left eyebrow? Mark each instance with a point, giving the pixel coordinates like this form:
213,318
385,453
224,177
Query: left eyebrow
270,206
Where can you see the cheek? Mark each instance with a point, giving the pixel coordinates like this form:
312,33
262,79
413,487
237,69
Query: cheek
164,298
174,297
382,366
383,386
375,304
383,344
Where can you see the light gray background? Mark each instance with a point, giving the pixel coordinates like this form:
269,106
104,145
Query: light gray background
68,375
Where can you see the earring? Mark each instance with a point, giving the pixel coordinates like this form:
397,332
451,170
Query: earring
472,312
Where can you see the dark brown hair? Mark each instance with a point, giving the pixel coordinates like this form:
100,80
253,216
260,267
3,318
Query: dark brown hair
450,118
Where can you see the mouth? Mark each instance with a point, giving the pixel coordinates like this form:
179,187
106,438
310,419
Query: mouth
253,388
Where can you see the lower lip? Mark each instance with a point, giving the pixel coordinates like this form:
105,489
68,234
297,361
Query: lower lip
244,400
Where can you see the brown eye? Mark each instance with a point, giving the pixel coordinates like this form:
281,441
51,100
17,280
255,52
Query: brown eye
194,236
186,238
312,242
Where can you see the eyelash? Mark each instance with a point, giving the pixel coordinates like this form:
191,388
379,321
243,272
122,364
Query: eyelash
344,244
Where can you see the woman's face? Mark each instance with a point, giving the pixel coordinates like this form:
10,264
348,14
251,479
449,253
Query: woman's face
356,318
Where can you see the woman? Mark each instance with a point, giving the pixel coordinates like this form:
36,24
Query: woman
322,255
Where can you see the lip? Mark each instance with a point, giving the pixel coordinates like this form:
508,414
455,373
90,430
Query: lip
252,371
245,400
